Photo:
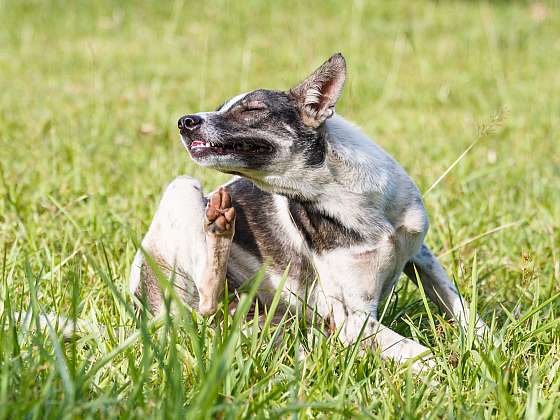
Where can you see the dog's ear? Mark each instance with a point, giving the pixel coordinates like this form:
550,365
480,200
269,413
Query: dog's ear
317,95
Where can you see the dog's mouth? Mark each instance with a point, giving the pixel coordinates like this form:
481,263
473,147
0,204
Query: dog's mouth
242,147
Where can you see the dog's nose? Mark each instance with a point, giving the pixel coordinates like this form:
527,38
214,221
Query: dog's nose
190,122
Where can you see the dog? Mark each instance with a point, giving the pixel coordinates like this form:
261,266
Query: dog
313,198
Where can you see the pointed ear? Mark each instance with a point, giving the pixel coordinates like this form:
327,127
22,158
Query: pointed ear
317,95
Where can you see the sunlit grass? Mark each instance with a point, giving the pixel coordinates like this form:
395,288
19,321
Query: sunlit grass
91,92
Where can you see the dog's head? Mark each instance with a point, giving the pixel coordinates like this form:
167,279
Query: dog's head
266,133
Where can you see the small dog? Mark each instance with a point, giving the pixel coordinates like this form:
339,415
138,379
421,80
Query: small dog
313,197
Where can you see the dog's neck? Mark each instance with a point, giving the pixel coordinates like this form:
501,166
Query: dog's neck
353,165
356,173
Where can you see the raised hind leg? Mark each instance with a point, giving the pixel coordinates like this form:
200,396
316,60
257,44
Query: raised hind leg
189,239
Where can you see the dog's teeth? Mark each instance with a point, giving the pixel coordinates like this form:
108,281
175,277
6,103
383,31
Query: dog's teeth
198,144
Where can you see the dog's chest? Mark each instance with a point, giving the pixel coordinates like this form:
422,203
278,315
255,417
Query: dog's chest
320,232
281,233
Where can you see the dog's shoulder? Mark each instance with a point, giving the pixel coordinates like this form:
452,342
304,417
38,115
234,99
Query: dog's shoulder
372,178
358,161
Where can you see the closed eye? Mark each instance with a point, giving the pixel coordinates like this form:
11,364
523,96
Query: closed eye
253,107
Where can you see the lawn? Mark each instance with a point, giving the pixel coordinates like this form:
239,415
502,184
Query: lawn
90,96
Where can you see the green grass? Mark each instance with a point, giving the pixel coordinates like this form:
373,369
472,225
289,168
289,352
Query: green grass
90,96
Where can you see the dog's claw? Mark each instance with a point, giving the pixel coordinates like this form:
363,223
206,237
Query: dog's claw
229,214
216,199
220,215
226,198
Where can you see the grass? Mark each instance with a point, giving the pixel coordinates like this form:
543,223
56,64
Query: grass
91,92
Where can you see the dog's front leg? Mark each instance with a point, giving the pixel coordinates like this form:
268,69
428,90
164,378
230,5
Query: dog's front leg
390,344
354,324
350,287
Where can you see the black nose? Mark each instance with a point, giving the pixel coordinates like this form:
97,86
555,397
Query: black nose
189,122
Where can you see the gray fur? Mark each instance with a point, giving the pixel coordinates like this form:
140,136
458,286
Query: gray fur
315,194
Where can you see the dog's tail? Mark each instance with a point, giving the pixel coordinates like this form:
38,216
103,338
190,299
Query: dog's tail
440,289
66,327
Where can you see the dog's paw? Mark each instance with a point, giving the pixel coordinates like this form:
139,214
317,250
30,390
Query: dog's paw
220,215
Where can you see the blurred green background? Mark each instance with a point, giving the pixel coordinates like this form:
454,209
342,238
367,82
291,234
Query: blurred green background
91,92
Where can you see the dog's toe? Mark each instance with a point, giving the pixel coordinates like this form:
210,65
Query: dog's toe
220,215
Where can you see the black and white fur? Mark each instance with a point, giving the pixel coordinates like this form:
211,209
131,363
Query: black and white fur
312,193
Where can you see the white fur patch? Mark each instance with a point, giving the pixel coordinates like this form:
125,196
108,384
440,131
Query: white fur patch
293,236
415,220
227,106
